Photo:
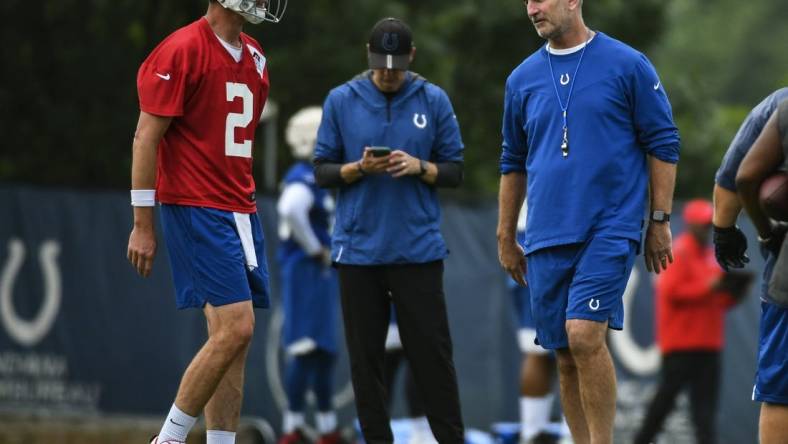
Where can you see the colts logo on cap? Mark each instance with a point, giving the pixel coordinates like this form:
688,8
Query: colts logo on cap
390,41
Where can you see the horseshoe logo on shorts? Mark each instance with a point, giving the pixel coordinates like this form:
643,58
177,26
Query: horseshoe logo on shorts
420,120
593,304
29,333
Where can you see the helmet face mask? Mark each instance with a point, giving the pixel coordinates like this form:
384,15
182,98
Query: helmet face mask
257,11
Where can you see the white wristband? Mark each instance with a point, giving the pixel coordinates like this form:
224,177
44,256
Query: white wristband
143,198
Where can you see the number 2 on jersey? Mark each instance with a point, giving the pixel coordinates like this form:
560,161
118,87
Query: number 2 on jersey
238,120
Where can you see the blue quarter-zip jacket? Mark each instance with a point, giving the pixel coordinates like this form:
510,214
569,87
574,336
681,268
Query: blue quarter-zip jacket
379,219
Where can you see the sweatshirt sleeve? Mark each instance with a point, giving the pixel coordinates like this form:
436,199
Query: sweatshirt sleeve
448,142
293,208
514,148
652,114
329,146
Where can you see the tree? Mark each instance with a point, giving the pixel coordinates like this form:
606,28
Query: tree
68,105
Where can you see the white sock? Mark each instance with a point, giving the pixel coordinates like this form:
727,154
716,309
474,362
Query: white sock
220,437
421,433
291,421
421,424
176,425
534,415
565,427
326,422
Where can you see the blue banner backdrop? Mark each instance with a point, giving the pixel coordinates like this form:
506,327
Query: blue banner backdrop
80,332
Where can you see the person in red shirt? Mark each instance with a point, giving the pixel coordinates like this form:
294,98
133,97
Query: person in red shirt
201,93
690,321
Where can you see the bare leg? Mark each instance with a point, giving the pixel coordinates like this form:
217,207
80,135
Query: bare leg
224,408
596,377
233,325
536,375
773,424
570,397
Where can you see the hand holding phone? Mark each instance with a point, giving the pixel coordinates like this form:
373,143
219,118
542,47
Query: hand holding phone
380,151
375,159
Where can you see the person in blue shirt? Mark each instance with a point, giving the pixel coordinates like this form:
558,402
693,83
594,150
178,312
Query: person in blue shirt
309,286
588,125
730,244
387,141
760,155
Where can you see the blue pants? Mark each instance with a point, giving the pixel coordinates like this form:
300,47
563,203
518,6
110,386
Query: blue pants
315,370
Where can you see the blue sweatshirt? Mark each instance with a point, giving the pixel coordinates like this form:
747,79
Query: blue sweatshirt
380,219
618,114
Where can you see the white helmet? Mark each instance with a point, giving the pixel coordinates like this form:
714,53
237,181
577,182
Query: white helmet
256,11
301,132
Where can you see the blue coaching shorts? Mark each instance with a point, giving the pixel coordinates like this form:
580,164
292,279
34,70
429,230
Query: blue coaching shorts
521,296
207,257
771,376
526,331
579,281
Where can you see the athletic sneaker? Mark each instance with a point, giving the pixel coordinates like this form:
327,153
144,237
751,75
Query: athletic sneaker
294,437
331,438
155,440
543,438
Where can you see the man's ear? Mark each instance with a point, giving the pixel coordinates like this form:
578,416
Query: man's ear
412,54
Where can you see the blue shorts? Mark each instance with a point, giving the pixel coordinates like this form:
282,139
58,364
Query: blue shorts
579,281
207,258
521,296
771,376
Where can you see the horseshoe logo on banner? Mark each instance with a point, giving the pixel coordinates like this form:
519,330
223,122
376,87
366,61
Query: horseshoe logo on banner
639,360
30,333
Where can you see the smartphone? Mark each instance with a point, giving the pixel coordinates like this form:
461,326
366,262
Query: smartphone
380,151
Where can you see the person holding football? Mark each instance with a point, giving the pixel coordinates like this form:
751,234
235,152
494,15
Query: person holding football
769,153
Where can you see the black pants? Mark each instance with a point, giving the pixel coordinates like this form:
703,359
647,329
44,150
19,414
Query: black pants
700,372
393,361
416,290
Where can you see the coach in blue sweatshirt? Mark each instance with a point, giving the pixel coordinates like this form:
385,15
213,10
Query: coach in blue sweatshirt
387,140
588,125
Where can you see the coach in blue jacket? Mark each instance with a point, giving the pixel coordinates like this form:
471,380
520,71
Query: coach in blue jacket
387,140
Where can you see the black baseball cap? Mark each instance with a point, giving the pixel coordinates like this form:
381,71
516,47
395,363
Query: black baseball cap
390,44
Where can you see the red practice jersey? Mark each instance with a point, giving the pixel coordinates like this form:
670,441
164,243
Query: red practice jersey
205,157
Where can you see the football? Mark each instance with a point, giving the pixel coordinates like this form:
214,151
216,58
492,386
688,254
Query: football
774,196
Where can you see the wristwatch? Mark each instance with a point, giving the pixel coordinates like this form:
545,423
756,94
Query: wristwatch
659,216
422,167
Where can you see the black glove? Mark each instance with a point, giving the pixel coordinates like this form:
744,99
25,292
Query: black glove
730,247
774,242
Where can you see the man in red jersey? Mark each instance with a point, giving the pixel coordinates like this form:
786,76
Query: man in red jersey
691,303
201,93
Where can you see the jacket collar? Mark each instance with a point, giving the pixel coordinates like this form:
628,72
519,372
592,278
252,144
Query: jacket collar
363,86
